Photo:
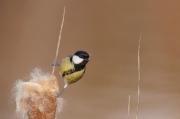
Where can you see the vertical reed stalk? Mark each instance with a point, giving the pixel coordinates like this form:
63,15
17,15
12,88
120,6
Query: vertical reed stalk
37,98
137,111
128,107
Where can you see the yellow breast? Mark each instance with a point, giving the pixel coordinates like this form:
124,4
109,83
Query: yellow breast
66,65
74,77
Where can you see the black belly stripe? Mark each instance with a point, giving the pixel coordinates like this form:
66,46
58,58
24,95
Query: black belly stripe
68,72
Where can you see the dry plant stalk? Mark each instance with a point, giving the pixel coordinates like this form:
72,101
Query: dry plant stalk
37,98
128,106
137,111
59,40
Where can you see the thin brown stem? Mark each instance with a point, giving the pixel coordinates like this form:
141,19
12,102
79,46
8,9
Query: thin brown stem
137,111
55,59
128,106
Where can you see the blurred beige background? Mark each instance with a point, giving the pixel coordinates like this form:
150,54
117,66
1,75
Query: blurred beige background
109,30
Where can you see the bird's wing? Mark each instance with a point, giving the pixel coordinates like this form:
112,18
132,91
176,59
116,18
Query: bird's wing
66,66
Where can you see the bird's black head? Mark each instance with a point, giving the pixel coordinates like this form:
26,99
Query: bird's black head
82,54
80,58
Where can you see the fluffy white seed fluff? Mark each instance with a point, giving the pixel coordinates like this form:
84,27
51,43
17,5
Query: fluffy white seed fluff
39,84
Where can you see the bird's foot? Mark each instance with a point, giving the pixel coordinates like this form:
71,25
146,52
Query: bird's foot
58,95
55,63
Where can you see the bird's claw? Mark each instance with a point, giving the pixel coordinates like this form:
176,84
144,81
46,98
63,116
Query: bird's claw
55,63
58,95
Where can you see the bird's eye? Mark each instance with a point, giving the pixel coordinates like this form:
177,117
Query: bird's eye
81,56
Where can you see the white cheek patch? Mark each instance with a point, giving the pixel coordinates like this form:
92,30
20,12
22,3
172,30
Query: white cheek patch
76,59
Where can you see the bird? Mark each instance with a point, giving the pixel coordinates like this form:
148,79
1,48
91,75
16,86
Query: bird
72,68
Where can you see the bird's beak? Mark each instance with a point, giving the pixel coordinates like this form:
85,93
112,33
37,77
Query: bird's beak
55,64
87,59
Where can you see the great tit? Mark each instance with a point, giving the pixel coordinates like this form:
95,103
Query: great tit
72,68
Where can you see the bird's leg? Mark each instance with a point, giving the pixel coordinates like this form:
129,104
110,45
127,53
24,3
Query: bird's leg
59,95
55,63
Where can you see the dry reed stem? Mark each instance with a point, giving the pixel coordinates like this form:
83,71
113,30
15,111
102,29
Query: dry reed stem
128,106
36,99
47,100
137,111
55,59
